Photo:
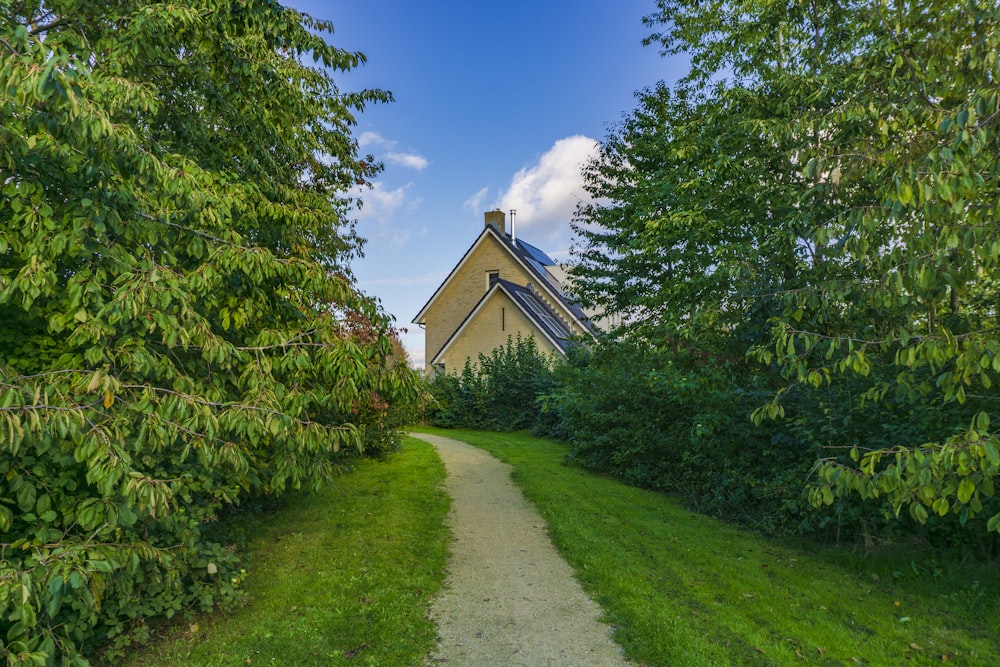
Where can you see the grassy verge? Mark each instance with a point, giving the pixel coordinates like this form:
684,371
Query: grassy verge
339,578
684,589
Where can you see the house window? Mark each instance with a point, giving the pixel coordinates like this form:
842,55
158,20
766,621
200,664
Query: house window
491,278
503,319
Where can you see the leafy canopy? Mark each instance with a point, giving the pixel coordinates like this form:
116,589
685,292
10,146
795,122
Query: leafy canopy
822,189
178,320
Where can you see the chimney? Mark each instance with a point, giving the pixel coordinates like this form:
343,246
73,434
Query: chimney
497,219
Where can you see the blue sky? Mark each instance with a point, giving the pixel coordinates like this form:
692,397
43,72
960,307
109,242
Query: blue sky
497,105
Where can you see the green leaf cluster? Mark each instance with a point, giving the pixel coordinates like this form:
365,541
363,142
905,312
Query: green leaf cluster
821,191
500,392
179,326
676,421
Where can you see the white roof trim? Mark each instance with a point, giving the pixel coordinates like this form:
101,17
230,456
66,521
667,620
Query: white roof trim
475,311
419,319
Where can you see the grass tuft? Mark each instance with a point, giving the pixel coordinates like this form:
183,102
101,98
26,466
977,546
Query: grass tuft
343,577
684,589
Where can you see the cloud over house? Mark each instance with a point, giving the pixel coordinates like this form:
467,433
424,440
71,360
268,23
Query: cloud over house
546,193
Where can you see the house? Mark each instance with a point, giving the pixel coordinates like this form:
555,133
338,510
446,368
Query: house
500,288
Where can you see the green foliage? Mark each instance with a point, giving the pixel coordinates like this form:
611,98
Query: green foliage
821,190
378,414
623,412
678,422
442,389
179,324
926,243
499,392
672,239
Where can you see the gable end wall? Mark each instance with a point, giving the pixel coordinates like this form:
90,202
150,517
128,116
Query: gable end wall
467,287
497,320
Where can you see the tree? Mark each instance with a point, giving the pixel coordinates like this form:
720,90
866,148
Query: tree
924,244
827,170
696,224
175,300
681,238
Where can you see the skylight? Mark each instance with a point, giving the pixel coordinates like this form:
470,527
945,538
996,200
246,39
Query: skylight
554,325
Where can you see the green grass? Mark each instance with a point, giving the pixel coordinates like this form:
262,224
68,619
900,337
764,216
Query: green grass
344,577
683,589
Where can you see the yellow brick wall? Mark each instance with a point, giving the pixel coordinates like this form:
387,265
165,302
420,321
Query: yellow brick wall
465,290
498,319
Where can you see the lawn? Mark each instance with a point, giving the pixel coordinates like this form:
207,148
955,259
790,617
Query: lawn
683,589
343,577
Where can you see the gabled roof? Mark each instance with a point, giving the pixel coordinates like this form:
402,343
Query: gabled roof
536,261
528,302
539,312
532,260
533,252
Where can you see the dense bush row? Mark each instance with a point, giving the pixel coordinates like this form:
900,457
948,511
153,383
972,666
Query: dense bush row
675,421
680,422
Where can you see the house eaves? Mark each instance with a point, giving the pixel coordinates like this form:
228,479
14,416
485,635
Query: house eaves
522,257
511,290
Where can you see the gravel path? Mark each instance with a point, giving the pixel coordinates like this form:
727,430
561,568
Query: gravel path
510,599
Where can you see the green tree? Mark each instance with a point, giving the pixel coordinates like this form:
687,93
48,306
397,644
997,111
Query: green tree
680,236
695,232
176,303
916,123
828,170
696,223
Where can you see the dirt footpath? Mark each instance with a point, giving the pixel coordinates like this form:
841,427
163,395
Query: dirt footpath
510,600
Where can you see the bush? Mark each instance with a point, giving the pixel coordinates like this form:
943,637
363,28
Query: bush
498,393
680,422
442,390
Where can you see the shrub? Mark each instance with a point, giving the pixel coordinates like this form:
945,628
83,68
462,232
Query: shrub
499,392
680,422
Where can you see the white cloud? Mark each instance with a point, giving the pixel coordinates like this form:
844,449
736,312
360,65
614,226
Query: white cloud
546,193
378,203
475,202
383,148
380,210
375,139
411,160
